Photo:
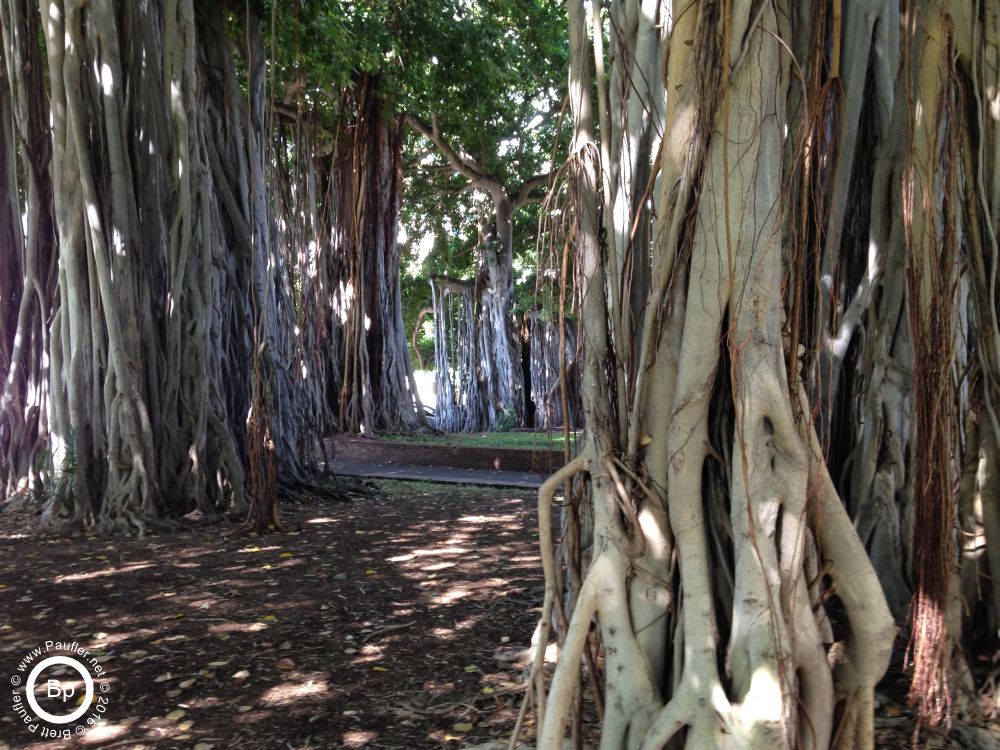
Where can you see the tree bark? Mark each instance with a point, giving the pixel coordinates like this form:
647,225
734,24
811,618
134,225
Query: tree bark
379,391
711,500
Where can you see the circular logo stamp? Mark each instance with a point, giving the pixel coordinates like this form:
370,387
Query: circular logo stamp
60,690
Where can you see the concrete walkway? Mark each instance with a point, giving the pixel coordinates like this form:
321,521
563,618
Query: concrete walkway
441,474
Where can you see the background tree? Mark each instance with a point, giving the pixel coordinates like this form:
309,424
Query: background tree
485,92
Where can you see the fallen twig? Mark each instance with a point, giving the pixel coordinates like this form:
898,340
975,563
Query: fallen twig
387,629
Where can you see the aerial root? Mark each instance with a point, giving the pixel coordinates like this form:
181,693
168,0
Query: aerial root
566,678
677,714
872,630
536,693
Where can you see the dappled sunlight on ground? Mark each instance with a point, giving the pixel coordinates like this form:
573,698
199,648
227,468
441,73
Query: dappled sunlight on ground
383,623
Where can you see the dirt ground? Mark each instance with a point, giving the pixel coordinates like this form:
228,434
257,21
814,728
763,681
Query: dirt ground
388,622
392,621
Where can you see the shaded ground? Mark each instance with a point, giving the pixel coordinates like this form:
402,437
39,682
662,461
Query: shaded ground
389,622
383,623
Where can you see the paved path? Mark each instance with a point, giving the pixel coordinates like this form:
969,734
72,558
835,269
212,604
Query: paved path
442,474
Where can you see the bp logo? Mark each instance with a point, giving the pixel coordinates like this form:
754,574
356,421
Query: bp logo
60,690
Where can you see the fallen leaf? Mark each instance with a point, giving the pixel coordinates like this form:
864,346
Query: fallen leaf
242,675
286,663
462,726
177,714
269,618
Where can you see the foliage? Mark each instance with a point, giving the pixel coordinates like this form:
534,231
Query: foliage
508,421
490,71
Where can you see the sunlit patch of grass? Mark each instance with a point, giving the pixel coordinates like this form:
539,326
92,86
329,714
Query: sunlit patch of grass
524,440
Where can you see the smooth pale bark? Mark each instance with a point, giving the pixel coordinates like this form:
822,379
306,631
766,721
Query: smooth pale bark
720,476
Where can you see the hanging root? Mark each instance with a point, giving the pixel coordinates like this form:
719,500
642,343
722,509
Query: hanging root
872,632
540,639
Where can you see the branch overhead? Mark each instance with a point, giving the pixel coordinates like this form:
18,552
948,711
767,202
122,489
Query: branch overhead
463,164
523,195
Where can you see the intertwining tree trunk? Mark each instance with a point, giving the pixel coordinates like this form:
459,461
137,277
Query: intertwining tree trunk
820,316
105,275
460,403
717,531
193,258
28,270
149,299
553,353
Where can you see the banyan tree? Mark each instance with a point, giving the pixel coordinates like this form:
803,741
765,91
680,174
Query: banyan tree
200,271
464,376
784,219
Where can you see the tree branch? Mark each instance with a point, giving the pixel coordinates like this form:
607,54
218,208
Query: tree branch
522,196
463,165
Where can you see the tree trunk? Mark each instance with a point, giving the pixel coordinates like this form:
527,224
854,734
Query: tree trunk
500,367
28,271
712,504
379,391
553,361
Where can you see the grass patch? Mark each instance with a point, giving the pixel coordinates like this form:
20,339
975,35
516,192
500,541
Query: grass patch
521,440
